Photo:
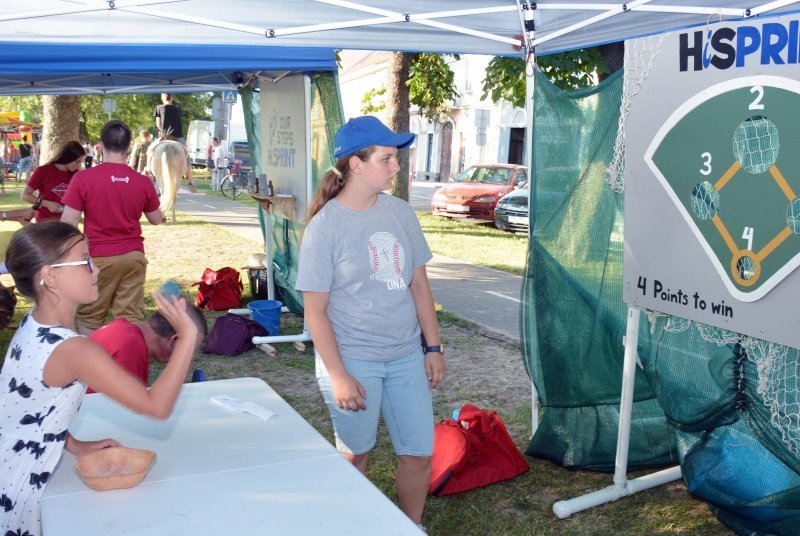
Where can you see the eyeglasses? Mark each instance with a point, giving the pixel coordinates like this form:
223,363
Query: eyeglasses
88,263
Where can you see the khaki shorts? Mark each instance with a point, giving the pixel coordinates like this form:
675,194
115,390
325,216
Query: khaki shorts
121,287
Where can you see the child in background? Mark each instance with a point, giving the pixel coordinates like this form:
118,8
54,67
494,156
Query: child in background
48,366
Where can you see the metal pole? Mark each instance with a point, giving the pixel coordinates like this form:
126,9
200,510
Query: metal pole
526,14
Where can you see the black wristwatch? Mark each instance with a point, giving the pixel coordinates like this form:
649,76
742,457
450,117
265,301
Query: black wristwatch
429,349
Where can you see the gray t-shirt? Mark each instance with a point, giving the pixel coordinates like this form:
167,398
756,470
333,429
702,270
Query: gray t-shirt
365,260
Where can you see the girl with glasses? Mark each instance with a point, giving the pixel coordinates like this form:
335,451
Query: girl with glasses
48,367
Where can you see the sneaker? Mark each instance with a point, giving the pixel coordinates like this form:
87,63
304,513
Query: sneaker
421,528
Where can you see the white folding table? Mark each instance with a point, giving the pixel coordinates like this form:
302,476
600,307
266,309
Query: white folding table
219,472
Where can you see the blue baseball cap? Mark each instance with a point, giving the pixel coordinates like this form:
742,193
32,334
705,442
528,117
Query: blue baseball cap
364,131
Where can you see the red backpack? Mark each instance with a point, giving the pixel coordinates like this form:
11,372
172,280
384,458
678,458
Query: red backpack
472,452
219,289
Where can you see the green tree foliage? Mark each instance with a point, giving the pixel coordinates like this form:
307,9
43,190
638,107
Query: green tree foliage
505,80
29,103
431,84
374,100
574,69
136,110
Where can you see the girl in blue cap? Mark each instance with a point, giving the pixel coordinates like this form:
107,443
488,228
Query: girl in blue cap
367,297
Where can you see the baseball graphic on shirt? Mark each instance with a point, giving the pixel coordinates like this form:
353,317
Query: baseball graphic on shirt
387,257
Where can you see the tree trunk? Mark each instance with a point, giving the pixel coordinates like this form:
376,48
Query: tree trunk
397,105
61,123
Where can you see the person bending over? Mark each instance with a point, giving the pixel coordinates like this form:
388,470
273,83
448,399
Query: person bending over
132,345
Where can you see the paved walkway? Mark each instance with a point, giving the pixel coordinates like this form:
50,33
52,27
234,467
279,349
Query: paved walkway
485,296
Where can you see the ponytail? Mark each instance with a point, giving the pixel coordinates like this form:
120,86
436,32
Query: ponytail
335,180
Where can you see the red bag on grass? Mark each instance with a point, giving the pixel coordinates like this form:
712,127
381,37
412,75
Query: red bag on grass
472,452
219,289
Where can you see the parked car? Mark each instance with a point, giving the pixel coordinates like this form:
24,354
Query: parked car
475,192
240,150
511,212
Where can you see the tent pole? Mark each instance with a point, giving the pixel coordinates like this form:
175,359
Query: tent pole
530,85
526,19
622,487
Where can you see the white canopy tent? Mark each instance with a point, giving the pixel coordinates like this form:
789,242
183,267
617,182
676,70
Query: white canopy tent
459,26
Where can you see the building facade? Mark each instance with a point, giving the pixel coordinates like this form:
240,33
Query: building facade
472,131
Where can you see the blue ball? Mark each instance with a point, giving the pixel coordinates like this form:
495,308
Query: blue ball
170,288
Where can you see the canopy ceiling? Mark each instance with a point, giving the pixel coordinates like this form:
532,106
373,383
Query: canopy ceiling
41,68
197,45
462,26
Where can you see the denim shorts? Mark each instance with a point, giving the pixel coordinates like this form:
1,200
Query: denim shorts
398,390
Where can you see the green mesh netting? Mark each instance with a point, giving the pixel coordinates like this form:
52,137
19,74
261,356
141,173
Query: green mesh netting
734,403
250,106
326,118
573,317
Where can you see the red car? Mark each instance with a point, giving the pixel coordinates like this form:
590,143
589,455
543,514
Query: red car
475,192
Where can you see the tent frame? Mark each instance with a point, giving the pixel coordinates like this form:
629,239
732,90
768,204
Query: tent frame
432,19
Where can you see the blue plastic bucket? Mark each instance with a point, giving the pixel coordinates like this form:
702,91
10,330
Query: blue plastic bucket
268,314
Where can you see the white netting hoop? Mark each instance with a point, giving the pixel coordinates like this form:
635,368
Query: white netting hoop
639,56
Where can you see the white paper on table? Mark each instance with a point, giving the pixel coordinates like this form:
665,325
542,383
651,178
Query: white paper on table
239,406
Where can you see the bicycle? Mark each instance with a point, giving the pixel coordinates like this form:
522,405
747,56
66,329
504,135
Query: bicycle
235,182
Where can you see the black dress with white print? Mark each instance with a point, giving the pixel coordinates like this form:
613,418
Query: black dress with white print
33,424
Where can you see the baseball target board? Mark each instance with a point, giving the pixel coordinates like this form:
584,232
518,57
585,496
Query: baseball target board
712,214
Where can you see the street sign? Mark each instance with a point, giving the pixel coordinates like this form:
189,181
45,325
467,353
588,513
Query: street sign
109,105
229,96
482,118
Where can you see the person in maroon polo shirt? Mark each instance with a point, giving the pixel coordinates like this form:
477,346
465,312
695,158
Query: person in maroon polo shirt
112,197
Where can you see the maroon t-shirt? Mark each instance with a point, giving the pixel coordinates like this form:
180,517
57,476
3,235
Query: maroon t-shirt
52,184
124,342
113,198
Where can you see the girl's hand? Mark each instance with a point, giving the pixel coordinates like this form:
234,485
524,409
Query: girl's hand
174,310
349,393
79,448
434,368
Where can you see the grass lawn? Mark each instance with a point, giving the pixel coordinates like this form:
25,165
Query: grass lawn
482,370
475,243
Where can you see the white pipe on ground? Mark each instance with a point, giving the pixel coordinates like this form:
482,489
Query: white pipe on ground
301,337
622,486
564,509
